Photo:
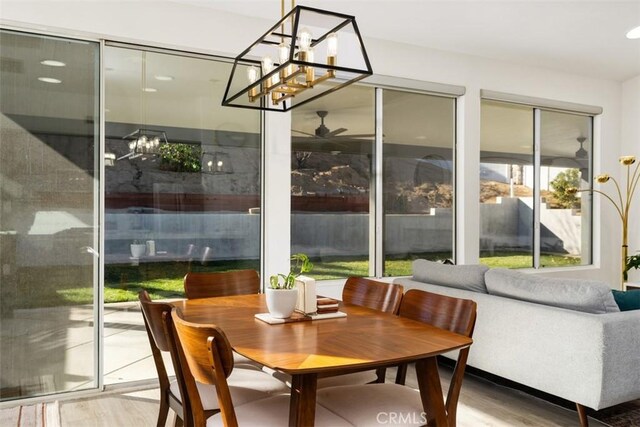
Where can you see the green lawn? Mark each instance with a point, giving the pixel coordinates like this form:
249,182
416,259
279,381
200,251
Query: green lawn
164,280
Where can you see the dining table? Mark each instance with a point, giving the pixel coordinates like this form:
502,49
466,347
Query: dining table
306,350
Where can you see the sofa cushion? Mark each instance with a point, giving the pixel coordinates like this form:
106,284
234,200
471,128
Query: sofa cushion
588,296
629,300
467,277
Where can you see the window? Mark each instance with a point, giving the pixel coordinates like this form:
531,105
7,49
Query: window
331,165
418,172
49,157
527,216
335,185
183,189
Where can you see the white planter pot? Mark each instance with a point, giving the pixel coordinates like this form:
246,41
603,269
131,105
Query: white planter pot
138,250
281,302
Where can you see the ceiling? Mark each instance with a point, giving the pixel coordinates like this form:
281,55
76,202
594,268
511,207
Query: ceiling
578,37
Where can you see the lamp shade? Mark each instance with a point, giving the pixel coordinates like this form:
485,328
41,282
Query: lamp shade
307,54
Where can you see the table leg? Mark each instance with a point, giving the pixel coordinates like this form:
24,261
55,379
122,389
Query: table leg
302,409
431,392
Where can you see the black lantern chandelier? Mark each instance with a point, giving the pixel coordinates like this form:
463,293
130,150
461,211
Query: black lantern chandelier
144,141
307,66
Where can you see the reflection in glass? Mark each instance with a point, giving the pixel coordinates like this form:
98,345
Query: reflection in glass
506,185
331,163
48,221
189,203
565,217
418,150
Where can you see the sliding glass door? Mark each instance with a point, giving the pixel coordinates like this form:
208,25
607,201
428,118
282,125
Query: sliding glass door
49,145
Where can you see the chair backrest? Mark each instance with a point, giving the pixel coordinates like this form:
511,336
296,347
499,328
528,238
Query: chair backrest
372,294
205,285
453,314
152,314
205,356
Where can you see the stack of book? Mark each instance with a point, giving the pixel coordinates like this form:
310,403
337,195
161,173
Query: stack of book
327,305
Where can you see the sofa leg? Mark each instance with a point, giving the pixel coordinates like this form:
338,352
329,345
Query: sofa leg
582,415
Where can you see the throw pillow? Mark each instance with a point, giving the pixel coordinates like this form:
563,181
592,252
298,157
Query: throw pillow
589,296
467,277
629,300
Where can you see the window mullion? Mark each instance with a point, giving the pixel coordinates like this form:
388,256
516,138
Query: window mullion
536,187
376,236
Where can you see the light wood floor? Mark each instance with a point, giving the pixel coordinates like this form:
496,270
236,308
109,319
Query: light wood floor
482,403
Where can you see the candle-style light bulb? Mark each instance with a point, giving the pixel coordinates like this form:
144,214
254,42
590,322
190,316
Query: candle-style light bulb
283,52
267,64
332,44
304,39
252,74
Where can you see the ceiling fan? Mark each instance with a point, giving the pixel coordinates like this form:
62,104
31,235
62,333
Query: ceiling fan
324,132
581,153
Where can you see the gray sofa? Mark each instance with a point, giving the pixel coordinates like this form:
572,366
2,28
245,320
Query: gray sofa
563,337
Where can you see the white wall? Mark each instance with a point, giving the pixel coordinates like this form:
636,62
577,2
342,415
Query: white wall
631,146
201,29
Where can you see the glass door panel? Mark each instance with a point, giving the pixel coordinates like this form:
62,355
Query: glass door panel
49,140
506,185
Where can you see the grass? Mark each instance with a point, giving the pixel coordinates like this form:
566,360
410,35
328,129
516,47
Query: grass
164,280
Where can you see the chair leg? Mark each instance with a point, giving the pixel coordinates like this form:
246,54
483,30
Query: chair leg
164,411
401,376
582,415
381,373
456,384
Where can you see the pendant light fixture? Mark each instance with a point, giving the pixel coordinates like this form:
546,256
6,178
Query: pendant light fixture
307,54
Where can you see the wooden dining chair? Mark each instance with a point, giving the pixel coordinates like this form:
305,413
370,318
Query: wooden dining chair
361,404
248,383
205,356
170,392
376,295
220,284
217,284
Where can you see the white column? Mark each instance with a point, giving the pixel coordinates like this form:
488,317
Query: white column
468,177
276,203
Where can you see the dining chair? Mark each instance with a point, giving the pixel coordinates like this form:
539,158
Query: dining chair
372,294
217,284
206,357
362,405
248,383
170,391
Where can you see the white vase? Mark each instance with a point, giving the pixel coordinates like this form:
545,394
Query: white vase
138,250
281,302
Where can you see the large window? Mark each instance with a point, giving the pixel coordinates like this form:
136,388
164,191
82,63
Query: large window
527,216
49,145
418,177
342,171
182,185
331,164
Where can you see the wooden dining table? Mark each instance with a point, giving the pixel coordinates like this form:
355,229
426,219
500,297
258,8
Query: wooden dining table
306,350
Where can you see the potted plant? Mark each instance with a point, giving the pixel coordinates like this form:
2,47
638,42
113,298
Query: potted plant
282,294
138,248
633,261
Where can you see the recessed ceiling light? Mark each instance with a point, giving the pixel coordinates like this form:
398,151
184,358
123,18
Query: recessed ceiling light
164,78
149,89
634,33
49,80
53,63
421,137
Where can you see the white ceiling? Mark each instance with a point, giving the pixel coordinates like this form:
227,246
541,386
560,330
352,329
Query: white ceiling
581,37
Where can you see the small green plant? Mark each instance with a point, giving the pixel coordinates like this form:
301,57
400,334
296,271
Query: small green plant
300,264
180,157
633,261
